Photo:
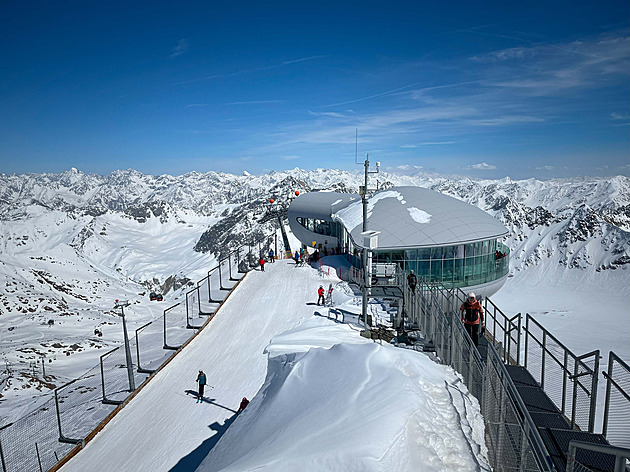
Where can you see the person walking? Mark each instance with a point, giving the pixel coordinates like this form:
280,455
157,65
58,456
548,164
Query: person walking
472,317
271,254
201,380
412,281
320,292
296,256
262,264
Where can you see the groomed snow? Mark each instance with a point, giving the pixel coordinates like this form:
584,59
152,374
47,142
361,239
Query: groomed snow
330,400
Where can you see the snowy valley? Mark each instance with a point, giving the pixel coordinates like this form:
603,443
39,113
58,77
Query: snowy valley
72,243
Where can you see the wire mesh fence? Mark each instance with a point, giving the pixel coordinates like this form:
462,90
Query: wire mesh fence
40,439
616,426
584,456
32,440
511,436
570,381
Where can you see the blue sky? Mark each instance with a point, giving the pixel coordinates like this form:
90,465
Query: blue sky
486,89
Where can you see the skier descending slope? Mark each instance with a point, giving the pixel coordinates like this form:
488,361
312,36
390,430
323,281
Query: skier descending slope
201,380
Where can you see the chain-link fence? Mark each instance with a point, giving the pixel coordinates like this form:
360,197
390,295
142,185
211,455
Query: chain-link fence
40,439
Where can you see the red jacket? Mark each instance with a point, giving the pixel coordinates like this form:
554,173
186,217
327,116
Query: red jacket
471,313
320,291
262,262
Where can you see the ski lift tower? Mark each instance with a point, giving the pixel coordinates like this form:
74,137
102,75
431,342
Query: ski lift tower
122,305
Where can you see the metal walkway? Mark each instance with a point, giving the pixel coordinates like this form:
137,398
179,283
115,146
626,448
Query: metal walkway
553,427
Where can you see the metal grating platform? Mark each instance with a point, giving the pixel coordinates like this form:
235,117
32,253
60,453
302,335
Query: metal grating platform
557,443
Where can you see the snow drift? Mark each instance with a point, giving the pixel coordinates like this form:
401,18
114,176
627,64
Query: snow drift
356,405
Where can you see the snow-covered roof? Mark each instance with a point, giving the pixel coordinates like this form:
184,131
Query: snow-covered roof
321,205
414,217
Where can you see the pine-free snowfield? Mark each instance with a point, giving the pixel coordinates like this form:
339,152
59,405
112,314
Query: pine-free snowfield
330,401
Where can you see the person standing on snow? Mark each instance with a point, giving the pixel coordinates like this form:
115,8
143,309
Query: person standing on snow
262,264
201,380
472,315
271,254
296,257
320,292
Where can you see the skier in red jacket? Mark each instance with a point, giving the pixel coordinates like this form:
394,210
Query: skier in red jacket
472,316
320,292
262,264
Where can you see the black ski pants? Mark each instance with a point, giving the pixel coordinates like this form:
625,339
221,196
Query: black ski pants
473,332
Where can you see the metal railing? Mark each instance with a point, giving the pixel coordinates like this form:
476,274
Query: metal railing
579,452
569,380
616,425
511,436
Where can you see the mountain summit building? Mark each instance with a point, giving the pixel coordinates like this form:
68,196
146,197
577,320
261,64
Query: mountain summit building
443,239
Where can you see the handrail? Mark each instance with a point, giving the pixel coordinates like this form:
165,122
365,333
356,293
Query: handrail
620,453
532,430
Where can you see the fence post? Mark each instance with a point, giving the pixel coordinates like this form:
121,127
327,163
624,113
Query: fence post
593,407
564,381
221,287
140,369
526,338
164,318
39,460
608,376
4,464
198,299
62,438
571,457
542,364
518,340
576,383
230,267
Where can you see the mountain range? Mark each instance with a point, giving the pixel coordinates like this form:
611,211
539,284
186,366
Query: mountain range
71,243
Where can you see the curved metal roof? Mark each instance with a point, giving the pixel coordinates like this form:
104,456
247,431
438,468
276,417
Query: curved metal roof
321,205
410,217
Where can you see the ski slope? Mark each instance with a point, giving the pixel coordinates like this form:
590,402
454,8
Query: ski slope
322,397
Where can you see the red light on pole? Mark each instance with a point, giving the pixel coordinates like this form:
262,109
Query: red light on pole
271,200
297,192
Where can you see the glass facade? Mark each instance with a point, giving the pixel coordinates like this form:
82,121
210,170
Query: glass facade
323,227
453,266
461,265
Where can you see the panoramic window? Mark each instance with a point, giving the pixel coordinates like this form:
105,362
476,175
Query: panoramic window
453,266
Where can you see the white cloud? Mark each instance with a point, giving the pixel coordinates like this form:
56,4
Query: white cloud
545,168
483,166
408,146
504,55
405,169
552,68
181,48
617,116
290,157
255,102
